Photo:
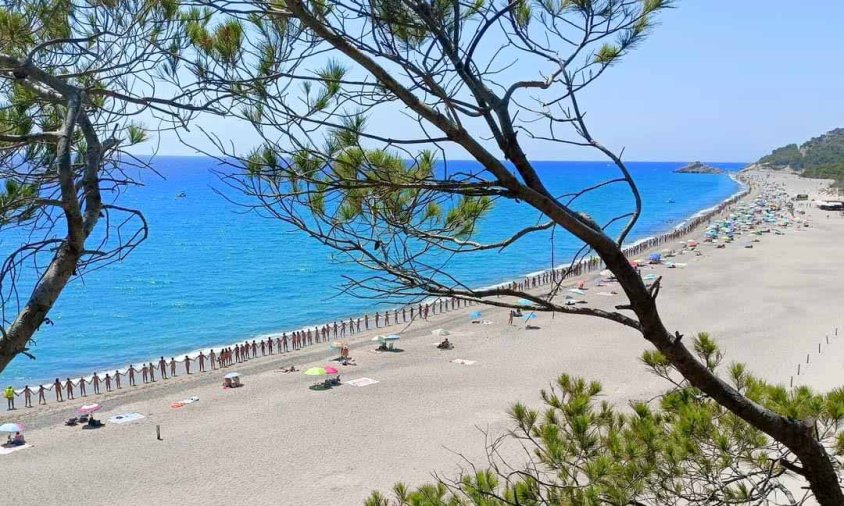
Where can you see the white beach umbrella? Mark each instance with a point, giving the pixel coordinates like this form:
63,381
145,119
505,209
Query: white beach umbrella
11,427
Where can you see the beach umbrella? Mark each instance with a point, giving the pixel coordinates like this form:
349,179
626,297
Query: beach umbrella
655,257
475,315
11,427
330,370
315,371
231,375
529,316
87,409
392,337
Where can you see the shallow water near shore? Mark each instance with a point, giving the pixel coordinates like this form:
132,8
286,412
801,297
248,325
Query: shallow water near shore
213,273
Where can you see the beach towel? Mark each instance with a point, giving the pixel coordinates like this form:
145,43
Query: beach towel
126,418
440,332
5,450
463,361
361,382
487,322
605,294
186,401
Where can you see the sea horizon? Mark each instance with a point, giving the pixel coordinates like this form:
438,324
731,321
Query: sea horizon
178,294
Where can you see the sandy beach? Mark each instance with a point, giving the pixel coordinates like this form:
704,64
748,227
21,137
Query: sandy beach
275,441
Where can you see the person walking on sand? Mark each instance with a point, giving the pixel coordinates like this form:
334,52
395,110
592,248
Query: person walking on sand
9,394
41,399
172,367
57,387
162,366
27,397
187,364
131,375
96,384
69,388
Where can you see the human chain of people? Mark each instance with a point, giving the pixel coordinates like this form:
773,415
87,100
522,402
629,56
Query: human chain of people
145,373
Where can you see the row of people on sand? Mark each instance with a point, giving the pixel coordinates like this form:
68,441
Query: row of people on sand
302,338
236,353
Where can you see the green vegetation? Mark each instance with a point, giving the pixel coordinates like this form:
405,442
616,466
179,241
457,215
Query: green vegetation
821,157
584,451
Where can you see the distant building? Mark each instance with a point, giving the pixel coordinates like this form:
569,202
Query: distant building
831,205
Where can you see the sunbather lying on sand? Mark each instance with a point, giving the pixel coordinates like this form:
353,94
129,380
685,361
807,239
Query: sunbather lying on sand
292,368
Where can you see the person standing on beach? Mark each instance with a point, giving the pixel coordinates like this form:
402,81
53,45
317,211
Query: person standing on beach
57,387
211,358
108,382
27,397
366,322
377,319
131,375
173,367
237,353
342,329
144,374
270,345
201,362
117,379
187,364
82,391
162,366
69,386
41,399
254,349
510,318
9,394
283,342
96,384
151,371
386,318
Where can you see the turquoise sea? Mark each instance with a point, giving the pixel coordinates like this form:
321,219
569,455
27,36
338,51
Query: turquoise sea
212,272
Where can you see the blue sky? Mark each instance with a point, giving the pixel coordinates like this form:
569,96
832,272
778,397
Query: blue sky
718,80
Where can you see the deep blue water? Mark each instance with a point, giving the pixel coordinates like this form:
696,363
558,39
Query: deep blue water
212,273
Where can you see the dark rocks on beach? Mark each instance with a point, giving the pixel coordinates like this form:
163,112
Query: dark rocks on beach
698,168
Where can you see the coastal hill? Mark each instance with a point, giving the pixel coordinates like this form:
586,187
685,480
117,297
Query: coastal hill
820,157
698,168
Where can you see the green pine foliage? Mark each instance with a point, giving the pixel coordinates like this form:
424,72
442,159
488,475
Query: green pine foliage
683,445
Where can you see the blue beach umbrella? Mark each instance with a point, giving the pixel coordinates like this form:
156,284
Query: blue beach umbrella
475,315
392,337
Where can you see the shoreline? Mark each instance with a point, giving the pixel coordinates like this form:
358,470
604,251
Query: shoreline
585,266
428,408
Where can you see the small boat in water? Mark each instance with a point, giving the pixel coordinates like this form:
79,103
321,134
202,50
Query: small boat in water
181,195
